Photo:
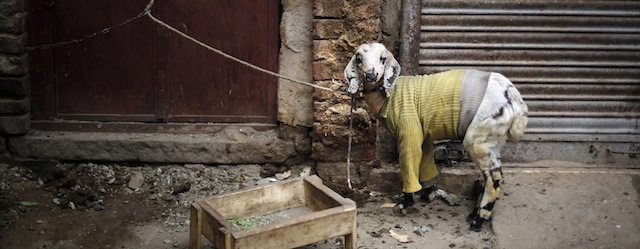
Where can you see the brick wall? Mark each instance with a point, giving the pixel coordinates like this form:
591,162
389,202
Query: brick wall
339,27
15,105
14,84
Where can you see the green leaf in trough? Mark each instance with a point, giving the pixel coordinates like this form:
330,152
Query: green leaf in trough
28,203
241,224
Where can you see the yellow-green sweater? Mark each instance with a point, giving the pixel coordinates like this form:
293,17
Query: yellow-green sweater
433,101
421,109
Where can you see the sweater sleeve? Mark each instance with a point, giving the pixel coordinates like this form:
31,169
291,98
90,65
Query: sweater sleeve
410,138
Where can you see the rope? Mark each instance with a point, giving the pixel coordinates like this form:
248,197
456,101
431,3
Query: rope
147,12
353,105
169,27
353,97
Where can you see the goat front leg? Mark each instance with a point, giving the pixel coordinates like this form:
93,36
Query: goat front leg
410,140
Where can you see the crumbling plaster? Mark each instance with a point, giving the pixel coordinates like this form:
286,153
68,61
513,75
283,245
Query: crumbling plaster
295,101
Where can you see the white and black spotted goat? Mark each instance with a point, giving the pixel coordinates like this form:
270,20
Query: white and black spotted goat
482,108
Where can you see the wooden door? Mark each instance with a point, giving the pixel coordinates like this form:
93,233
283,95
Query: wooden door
142,72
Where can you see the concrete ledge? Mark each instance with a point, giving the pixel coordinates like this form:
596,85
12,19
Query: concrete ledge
460,180
241,148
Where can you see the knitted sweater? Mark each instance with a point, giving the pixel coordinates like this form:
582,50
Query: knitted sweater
421,109
445,103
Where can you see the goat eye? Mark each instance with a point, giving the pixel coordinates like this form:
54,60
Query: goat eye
358,60
383,60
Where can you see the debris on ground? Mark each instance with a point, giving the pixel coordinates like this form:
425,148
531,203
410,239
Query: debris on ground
451,199
400,237
388,205
283,175
136,180
421,230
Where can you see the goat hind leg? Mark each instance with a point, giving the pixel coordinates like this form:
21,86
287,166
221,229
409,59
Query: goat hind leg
485,151
486,201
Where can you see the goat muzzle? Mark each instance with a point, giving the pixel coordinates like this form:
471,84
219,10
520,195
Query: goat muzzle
370,77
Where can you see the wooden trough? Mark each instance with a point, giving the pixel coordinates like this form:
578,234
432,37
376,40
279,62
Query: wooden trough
330,215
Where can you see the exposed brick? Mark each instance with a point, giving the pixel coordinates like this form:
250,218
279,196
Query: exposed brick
385,179
359,153
13,23
9,7
14,125
363,9
328,28
334,174
362,31
329,60
328,118
331,97
328,8
339,28
16,87
325,70
336,136
325,49
13,65
12,43
10,106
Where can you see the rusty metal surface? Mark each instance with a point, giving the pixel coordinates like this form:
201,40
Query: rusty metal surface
576,63
410,37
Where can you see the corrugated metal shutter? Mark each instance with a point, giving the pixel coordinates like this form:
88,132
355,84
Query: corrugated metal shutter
577,63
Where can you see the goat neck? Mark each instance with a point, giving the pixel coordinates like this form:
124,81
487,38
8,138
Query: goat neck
375,97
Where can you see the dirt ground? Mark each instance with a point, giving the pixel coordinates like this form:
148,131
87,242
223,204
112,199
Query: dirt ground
86,205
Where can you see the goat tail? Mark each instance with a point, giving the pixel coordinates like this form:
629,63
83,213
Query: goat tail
519,119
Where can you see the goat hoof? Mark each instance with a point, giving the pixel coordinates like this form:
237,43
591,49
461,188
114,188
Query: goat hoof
400,210
429,194
406,201
402,206
476,224
472,216
476,227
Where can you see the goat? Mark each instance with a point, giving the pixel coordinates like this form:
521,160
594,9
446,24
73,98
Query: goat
482,108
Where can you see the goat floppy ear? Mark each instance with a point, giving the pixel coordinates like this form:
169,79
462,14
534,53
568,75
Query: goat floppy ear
391,72
351,74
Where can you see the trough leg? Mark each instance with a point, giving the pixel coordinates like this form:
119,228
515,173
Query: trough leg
351,240
195,227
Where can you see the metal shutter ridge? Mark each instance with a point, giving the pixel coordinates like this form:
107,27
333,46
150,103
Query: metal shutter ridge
576,63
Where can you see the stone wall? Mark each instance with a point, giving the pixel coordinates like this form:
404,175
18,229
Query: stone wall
339,27
14,85
15,104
